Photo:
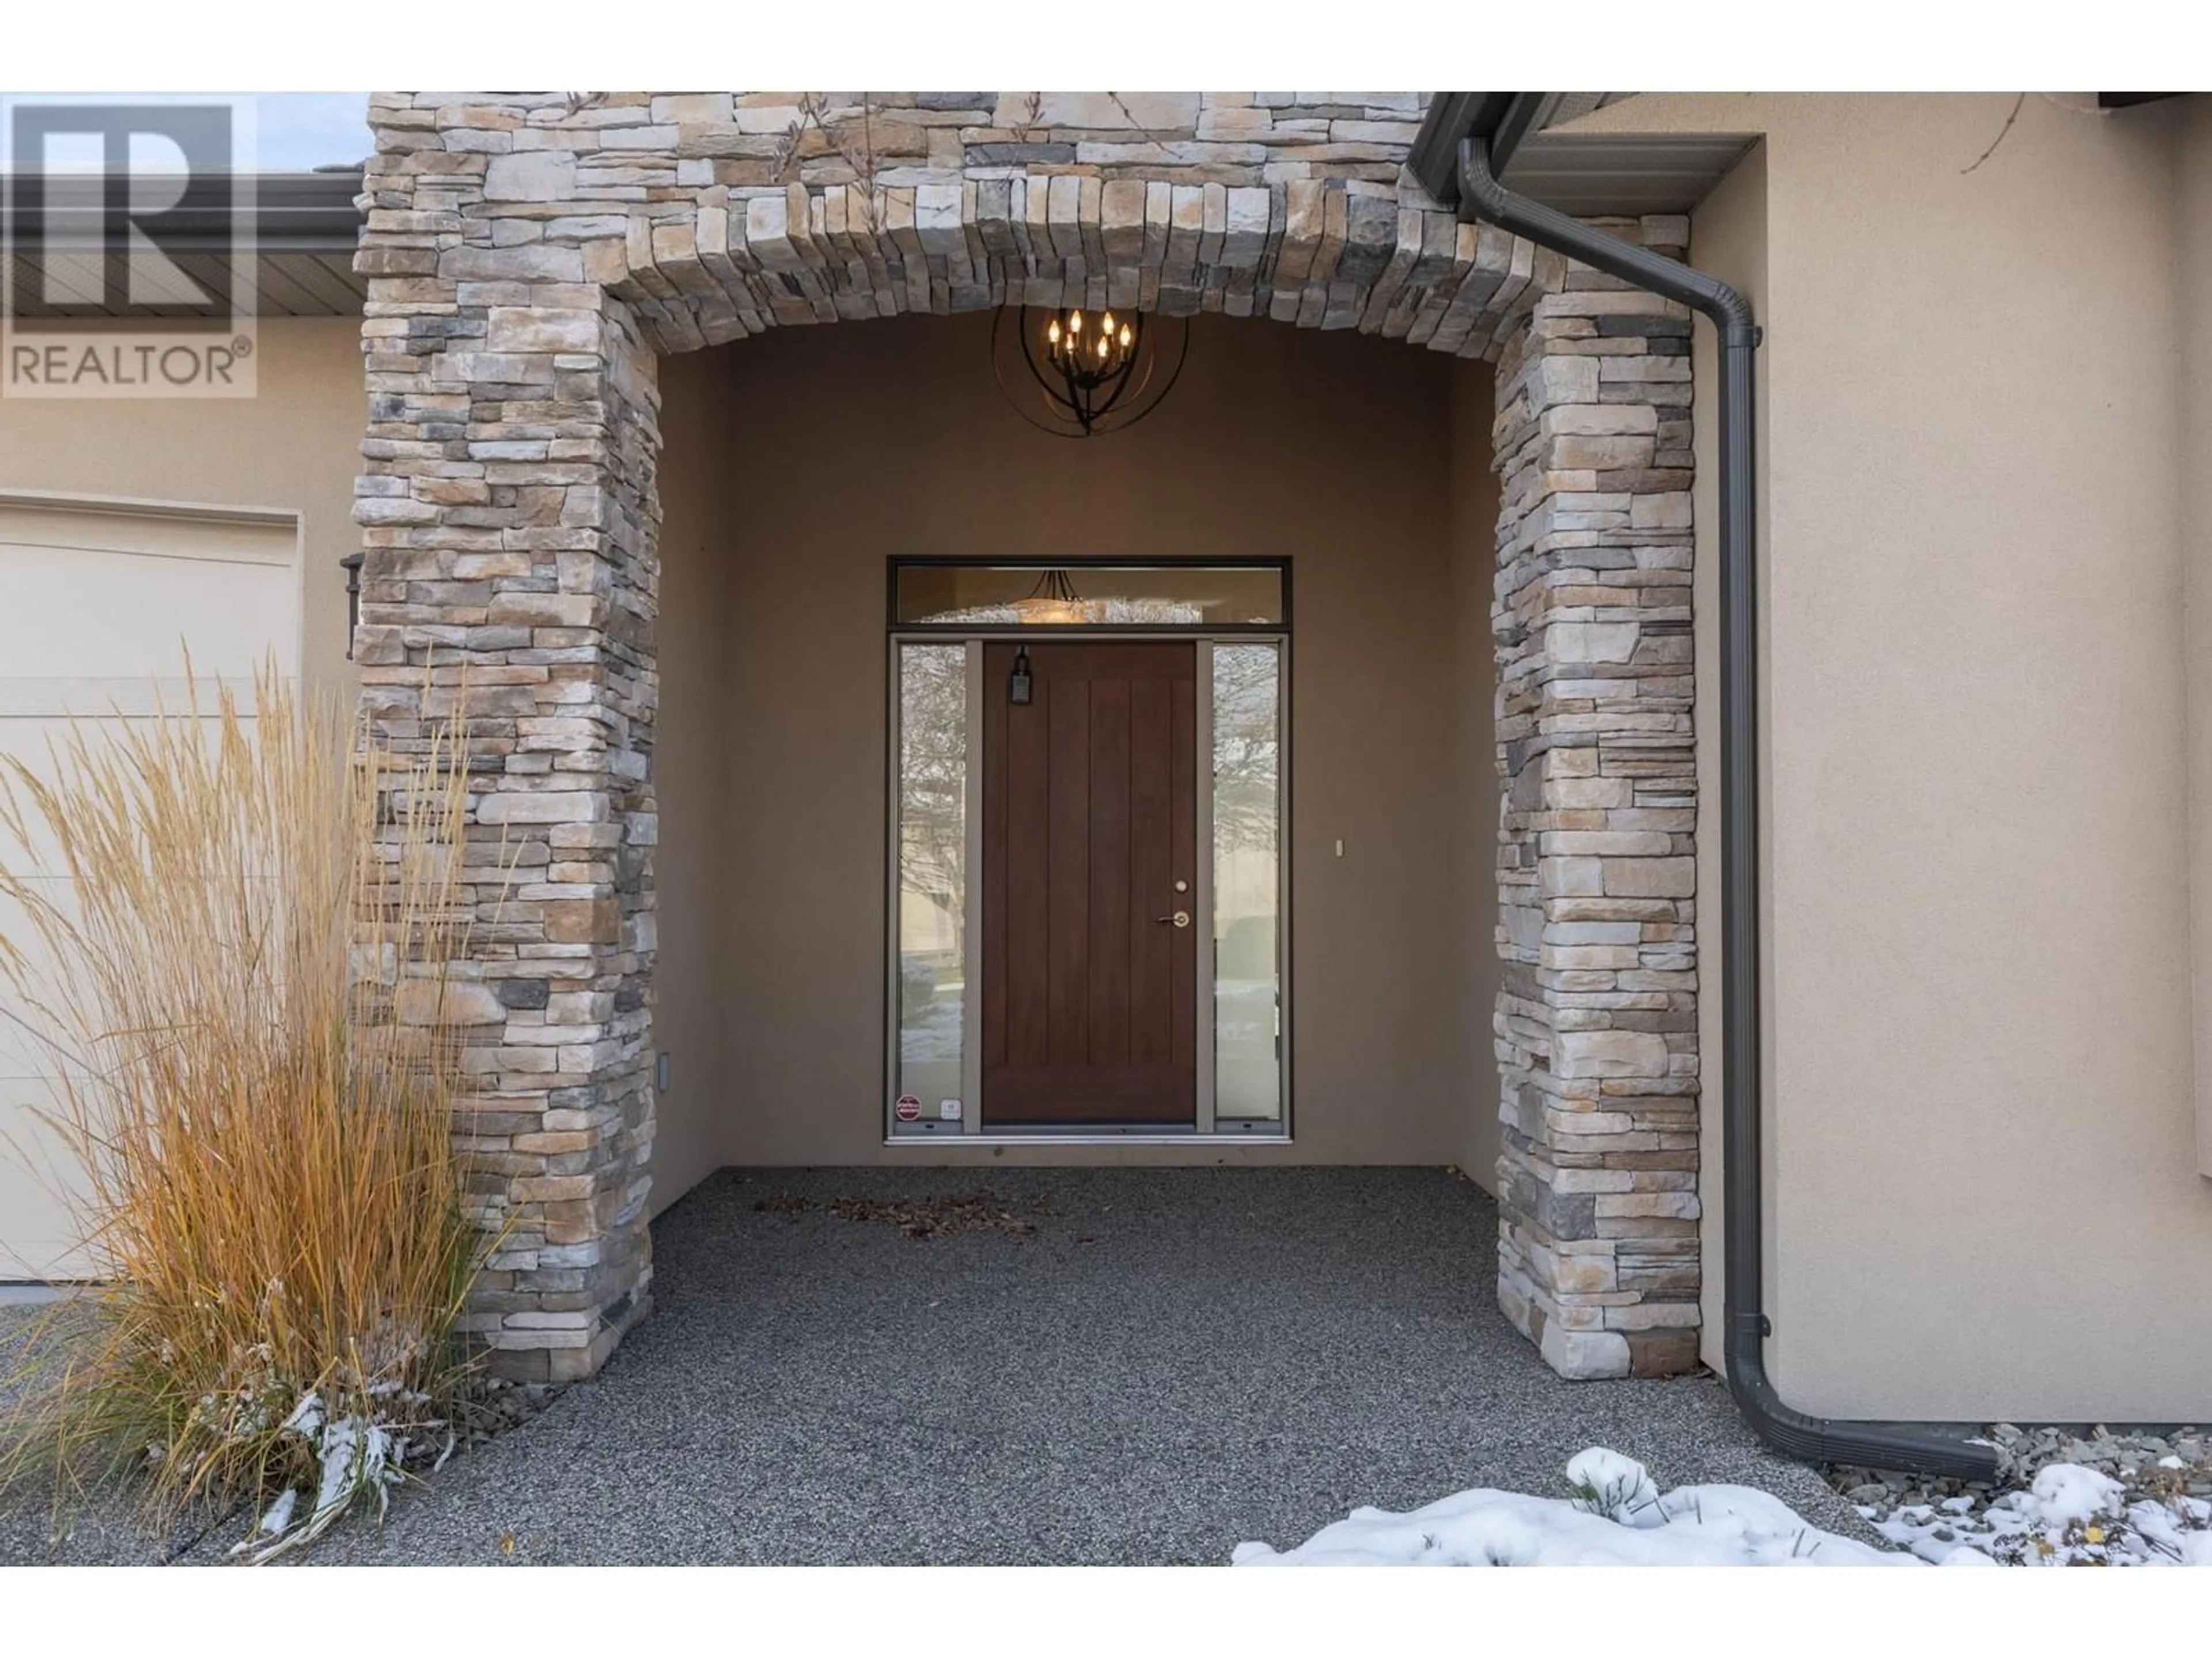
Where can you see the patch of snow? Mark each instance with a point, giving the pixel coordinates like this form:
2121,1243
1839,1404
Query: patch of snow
279,1514
353,1459
307,1416
275,1520
1619,1488
2070,1515
1689,1526
355,1456
2068,1492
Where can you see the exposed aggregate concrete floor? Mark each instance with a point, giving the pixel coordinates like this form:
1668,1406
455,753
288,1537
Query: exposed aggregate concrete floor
1174,1361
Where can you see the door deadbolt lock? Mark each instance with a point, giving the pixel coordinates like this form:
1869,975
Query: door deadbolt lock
1183,887
1181,918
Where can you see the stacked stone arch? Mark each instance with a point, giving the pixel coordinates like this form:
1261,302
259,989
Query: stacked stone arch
530,257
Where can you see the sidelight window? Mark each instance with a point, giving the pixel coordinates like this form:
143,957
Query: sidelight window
930,920
1247,882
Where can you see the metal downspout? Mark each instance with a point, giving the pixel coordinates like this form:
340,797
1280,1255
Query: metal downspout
1789,1431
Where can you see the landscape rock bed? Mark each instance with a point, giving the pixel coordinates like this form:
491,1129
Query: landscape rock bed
496,1405
2060,1499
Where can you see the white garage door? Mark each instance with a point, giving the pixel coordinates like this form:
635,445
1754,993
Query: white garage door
97,608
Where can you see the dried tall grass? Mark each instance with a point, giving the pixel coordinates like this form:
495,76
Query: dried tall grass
271,1198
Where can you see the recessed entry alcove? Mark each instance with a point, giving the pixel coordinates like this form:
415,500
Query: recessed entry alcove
907,912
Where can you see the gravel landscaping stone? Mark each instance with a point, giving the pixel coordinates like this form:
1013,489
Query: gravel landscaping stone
2061,1497
107,1527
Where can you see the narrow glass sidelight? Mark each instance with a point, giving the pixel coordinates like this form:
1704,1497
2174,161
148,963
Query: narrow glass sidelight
1247,882
930,918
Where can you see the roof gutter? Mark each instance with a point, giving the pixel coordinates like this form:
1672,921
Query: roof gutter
292,213
1789,1431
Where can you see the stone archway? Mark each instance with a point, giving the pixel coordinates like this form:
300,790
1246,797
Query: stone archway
529,257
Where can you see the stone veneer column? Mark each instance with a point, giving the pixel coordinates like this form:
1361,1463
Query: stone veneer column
1596,1017
508,514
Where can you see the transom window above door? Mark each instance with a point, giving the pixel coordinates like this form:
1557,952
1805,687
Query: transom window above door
1217,597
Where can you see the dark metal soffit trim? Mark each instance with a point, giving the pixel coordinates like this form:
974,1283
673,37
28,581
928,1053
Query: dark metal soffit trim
1451,116
294,213
1527,115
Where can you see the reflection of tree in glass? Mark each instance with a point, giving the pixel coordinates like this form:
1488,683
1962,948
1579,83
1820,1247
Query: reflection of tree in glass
934,763
933,773
1086,613
1246,748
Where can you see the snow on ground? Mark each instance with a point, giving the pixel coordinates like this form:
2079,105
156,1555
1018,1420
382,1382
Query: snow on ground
1615,1518
2068,1516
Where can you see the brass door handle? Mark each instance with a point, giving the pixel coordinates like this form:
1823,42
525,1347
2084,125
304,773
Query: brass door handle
1181,918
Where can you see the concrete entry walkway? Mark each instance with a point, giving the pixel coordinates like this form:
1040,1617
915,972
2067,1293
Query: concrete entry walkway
1173,1362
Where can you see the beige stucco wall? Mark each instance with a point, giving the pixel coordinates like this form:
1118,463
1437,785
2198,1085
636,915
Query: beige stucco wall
2192,213
1474,752
849,443
1984,1179
691,775
294,447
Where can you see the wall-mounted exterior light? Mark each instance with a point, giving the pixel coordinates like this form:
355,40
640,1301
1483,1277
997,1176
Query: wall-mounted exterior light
352,563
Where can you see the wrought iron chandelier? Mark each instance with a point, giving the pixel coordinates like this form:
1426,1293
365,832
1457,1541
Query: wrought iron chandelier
1054,599
1086,373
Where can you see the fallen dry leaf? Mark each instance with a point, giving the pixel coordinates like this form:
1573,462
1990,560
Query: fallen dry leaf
981,1210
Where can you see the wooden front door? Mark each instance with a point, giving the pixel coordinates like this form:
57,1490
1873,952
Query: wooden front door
1090,819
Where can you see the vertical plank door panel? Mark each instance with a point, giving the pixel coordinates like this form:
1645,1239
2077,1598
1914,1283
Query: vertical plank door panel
1110,924
1090,818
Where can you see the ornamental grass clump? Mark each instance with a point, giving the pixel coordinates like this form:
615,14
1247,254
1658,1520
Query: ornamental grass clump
269,1200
